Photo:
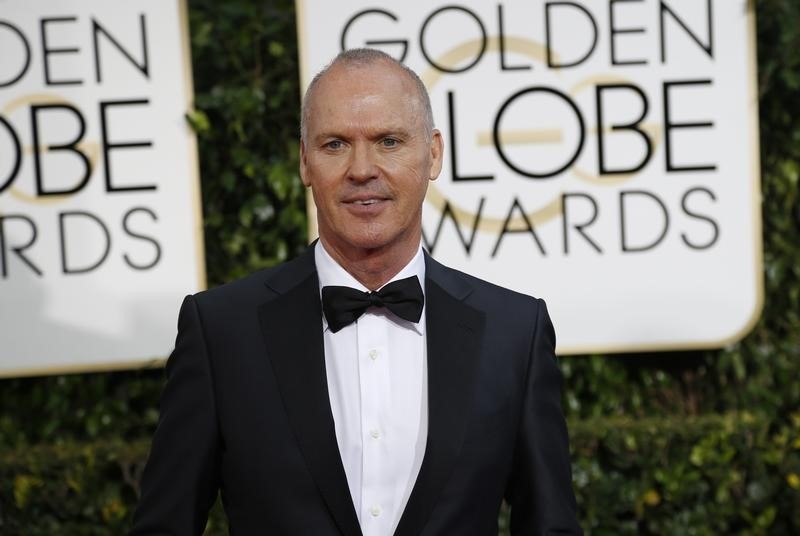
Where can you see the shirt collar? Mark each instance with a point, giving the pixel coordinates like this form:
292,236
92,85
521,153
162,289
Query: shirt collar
330,272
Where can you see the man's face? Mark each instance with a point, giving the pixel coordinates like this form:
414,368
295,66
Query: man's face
368,158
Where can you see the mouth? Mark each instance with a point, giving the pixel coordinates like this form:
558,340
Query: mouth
365,199
366,206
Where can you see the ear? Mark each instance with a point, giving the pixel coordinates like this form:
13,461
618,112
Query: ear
303,165
436,154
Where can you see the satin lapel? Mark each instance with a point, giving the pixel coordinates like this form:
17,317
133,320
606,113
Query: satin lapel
455,333
292,327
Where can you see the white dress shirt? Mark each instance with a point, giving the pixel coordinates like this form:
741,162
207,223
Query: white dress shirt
378,386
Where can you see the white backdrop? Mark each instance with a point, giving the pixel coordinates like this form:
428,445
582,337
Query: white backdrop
601,155
100,225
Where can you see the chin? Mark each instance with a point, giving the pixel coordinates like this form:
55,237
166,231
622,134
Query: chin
371,239
365,237
369,242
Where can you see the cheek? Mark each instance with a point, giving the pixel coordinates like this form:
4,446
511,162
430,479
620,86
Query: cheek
411,174
323,186
322,172
323,201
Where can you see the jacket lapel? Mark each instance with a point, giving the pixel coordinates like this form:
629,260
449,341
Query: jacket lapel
292,327
455,333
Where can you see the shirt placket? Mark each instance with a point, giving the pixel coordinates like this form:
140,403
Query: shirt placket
373,358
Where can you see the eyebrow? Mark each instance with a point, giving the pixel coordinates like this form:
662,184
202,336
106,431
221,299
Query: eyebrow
381,133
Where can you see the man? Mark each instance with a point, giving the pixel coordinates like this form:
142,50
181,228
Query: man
362,388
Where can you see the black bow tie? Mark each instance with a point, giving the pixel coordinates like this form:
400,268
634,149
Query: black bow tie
343,305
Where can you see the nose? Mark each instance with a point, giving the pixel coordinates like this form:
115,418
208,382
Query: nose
362,164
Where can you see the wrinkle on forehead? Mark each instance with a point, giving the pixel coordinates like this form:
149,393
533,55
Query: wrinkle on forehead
370,59
367,89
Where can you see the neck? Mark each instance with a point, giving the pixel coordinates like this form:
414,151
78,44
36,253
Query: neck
373,268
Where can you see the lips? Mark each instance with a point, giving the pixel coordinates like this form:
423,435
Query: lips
365,200
365,206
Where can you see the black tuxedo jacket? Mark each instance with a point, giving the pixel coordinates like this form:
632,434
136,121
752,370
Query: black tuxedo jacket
245,409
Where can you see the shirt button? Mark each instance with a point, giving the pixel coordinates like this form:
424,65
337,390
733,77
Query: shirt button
375,511
373,354
375,434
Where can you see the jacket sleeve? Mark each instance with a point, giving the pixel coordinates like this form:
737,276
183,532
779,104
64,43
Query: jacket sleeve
181,478
540,490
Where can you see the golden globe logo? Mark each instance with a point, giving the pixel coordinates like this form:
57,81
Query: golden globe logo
99,197
510,215
602,155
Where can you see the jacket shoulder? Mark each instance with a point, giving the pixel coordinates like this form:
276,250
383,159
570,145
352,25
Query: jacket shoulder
237,291
259,286
480,290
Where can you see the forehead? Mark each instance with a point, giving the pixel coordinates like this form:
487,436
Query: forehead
371,93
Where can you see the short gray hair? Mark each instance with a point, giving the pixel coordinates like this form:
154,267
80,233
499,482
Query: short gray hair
362,57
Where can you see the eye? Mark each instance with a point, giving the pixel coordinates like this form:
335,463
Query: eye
334,145
389,142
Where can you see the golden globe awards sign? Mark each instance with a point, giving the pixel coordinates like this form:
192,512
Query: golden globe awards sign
600,154
100,228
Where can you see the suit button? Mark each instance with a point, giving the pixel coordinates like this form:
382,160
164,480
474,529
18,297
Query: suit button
375,511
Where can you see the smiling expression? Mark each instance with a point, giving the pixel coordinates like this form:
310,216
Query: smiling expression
368,156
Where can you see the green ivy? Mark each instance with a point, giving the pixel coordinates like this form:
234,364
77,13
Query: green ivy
734,473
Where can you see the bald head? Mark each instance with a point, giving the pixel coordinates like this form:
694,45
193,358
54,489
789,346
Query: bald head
364,58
